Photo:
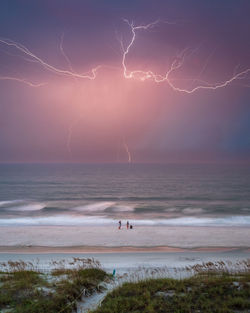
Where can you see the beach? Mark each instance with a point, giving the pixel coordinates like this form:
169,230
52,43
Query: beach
124,156
129,264
140,236
125,249
127,261
180,214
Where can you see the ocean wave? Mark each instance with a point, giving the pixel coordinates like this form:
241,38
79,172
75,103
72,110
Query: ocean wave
70,220
123,208
196,221
93,207
28,207
104,206
57,220
193,211
21,205
9,202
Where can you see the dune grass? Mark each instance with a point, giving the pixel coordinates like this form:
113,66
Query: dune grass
29,291
211,288
202,293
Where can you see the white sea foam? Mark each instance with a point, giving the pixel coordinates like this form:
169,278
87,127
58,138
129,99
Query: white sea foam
63,220
69,220
9,202
22,205
123,208
170,210
93,207
192,211
195,221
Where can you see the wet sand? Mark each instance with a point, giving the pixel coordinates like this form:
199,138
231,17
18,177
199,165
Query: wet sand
141,237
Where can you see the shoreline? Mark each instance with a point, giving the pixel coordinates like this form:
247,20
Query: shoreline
115,249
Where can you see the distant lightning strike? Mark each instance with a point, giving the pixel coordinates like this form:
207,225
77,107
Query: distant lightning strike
71,126
127,151
69,136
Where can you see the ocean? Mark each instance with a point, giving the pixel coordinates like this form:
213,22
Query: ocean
146,194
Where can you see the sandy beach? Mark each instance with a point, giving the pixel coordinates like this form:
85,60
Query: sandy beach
125,261
129,265
126,249
134,254
141,236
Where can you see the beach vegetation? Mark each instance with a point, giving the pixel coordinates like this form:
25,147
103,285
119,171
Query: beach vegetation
27,291
211,288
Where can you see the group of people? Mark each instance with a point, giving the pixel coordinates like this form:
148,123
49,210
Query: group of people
129,226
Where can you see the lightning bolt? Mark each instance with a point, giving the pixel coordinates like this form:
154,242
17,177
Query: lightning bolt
32,57
128,74
127,151
175,65
21,80
71,126
137,74
65,55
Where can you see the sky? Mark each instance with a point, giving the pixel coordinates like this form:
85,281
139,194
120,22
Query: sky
55,108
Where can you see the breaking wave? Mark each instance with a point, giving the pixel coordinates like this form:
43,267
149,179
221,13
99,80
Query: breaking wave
93,207
69,220
10,202
104,206
21,205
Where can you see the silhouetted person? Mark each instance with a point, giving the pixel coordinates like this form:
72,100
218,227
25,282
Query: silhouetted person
127,224
120,225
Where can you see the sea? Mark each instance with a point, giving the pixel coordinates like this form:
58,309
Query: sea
102,194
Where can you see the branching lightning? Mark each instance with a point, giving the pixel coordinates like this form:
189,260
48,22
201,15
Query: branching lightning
64,54
89,75
175,65
136,74
128,74
21,80
133,74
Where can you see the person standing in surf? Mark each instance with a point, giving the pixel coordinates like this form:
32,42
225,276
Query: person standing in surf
120,225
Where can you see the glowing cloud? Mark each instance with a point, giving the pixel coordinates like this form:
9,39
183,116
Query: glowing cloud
138,74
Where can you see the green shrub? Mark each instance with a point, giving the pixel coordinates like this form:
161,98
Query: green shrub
201,293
